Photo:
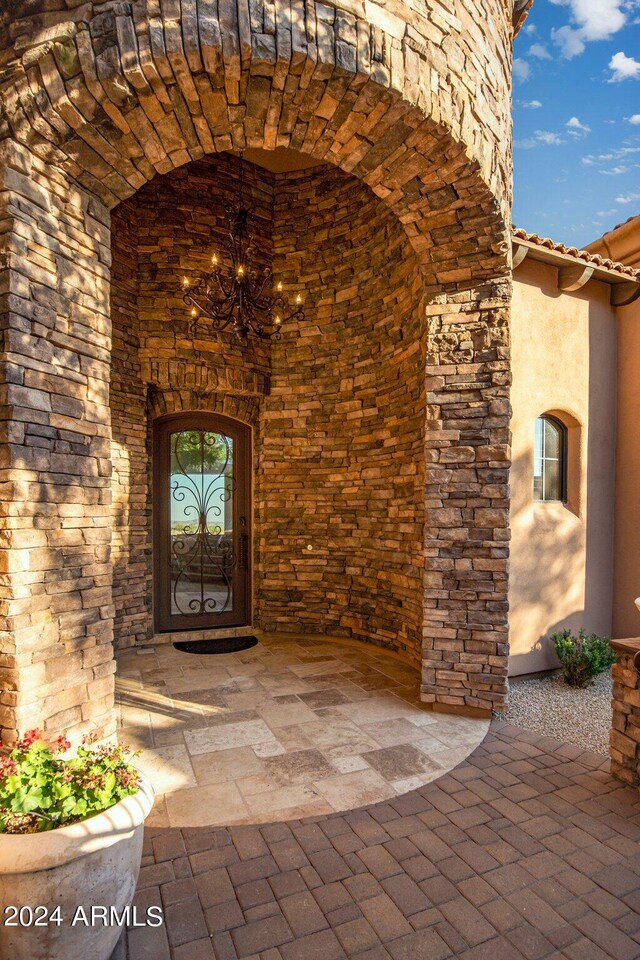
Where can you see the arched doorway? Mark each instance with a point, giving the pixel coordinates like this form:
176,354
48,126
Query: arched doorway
96,104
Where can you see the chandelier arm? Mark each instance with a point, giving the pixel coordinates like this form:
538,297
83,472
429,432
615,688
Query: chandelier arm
256,324
297,314
223,310
227,287
267,304
225,283
261,284
219,283
191,299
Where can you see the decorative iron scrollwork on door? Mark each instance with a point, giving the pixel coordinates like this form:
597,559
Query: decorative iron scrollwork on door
201,556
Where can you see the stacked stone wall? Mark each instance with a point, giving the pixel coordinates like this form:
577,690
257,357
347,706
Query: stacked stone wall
343,455
130,545
56,667
465,648
624,738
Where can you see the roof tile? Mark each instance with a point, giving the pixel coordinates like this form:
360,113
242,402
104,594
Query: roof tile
583,255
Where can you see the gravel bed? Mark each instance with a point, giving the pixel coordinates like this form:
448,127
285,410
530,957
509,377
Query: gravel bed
547,704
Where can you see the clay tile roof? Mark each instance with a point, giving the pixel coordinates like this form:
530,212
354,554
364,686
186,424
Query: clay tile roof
520,10
583,255
635,216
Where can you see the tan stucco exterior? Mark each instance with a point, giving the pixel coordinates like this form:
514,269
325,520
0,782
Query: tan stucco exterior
626,565
564,362
623,244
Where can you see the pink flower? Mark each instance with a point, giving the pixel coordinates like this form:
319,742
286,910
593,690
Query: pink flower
61,744
31,736
7,767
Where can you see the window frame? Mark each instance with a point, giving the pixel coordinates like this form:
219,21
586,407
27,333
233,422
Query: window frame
562,459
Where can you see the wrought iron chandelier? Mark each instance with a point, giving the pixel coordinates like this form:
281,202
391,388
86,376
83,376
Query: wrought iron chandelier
236,294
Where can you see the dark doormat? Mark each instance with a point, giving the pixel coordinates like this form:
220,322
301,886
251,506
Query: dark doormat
219,645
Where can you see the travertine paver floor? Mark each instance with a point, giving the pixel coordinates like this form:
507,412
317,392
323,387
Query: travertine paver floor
289,728
527,850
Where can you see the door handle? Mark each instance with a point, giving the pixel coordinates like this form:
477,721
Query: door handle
244,551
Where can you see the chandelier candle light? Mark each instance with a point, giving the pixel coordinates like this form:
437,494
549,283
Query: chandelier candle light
238,295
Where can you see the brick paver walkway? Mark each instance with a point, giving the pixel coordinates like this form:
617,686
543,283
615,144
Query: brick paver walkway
528,849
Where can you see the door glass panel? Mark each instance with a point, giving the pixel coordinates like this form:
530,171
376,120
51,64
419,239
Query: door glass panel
201,492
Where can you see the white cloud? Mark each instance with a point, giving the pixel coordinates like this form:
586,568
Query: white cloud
540,51
548,138
521,69
623,68
635,119
536,104
540,138
576,128
570,42
590,20
628,198
614,171
619,153
530,28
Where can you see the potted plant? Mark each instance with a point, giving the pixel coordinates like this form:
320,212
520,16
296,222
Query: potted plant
71,828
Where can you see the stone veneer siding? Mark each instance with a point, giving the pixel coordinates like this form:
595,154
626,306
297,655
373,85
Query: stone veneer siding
624,739
465,645
56,627
343,456
97,99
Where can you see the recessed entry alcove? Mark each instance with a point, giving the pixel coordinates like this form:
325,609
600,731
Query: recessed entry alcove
321,433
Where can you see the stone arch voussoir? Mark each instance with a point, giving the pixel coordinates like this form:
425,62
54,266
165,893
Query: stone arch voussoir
118,96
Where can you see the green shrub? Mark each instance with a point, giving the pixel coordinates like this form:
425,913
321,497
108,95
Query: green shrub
582,657
41,789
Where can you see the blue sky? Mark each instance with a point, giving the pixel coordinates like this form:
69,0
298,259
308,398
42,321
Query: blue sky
576,118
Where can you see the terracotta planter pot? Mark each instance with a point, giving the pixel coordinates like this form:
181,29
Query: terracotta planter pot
85,865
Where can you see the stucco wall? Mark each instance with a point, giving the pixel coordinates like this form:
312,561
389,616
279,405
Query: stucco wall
626,567
564,360
623,244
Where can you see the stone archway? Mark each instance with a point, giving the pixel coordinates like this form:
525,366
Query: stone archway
94,104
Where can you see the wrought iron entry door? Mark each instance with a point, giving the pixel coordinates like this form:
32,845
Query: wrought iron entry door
201,505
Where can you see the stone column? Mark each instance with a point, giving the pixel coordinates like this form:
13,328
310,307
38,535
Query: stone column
465,635
624,738
56,666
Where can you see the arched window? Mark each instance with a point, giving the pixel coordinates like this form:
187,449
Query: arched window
549,460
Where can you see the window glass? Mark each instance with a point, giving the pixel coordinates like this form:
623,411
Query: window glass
548,460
